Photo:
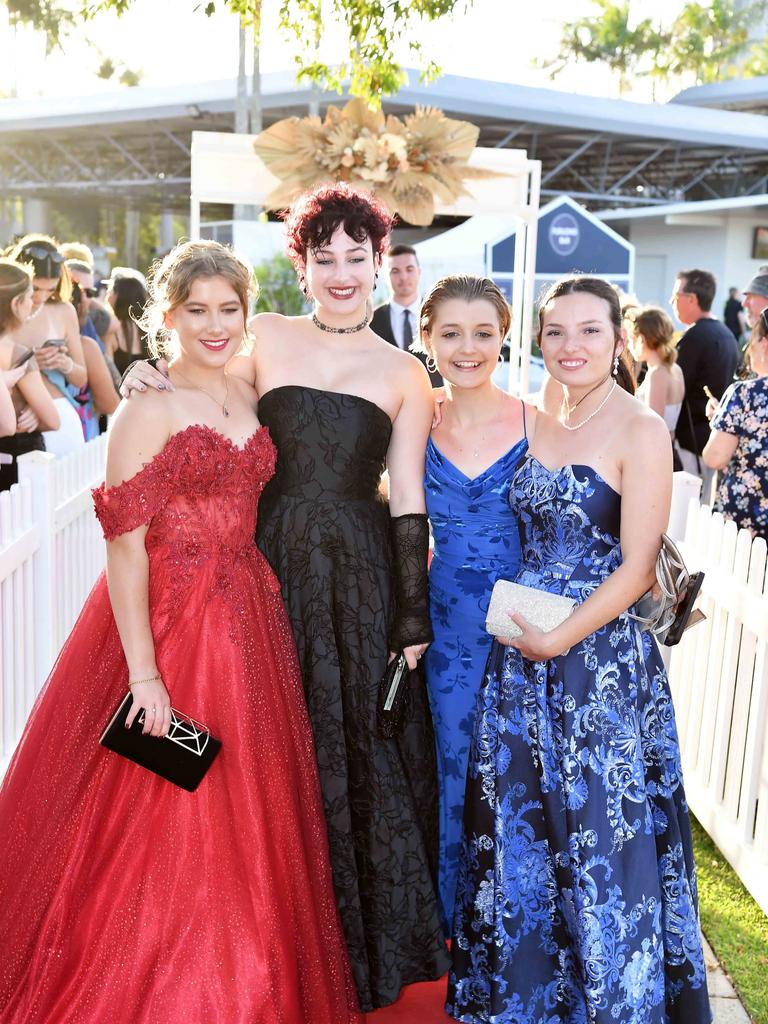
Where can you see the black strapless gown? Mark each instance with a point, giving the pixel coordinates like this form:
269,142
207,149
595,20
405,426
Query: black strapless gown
325,530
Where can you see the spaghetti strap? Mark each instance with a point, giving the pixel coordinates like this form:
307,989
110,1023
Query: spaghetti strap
525,428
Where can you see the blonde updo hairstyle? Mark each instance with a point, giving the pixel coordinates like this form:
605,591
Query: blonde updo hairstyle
656,329
468,288
15,280
171,279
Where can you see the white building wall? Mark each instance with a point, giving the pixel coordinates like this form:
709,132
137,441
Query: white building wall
721,243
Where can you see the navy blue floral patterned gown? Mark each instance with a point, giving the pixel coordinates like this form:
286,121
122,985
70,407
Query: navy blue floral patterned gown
576,899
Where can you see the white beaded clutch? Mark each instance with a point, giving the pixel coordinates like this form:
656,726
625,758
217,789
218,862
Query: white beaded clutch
544,610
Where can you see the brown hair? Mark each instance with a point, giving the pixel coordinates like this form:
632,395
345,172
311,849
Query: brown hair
15,279
171,279
700,283
468,287
63,292
581,284
759,333
658,332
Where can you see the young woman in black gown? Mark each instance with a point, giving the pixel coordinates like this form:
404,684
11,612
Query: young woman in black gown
341,405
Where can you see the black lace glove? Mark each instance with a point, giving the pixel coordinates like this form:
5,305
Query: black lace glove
152,362
410,545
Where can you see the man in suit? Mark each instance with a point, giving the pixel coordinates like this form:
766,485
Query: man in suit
397,321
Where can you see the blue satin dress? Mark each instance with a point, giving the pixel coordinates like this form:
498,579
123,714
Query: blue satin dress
476,542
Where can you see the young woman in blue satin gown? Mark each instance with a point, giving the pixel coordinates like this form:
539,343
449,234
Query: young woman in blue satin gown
576,900
470,458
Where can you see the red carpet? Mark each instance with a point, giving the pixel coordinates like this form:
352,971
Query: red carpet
419,1004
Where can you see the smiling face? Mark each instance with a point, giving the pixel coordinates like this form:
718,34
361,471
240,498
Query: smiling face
404,275
465,341
340,275
209,323
578,339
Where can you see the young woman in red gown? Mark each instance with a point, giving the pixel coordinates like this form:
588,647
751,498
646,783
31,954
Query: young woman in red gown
123,898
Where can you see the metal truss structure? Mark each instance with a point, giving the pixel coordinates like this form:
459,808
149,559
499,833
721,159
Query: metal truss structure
135,152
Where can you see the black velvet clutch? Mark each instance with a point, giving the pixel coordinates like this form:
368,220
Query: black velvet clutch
393,697
182,757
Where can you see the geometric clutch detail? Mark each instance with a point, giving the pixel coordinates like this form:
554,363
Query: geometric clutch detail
183,761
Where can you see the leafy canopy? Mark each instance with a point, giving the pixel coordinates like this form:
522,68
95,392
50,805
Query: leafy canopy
373,28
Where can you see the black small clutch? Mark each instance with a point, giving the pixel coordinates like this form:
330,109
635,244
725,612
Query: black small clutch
182,757
393,697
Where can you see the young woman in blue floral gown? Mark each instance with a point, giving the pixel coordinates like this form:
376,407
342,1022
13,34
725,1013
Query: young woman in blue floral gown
576,900
470,456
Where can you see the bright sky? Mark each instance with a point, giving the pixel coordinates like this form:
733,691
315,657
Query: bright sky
171,42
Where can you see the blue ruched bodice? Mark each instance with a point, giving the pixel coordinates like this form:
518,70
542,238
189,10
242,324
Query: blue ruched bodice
476,542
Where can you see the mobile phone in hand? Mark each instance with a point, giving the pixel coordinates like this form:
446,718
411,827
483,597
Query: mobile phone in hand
54,343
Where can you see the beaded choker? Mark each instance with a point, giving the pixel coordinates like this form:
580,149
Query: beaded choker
340,330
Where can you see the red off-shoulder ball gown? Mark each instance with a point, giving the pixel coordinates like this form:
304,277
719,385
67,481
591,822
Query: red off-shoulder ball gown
123,899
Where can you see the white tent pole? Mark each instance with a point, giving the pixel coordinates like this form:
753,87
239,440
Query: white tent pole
531,237
194,218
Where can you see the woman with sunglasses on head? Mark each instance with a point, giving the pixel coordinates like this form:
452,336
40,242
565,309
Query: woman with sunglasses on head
31,405
53,331
340,405
576,899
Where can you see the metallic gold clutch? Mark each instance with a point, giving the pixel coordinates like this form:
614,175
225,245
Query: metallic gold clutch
544,610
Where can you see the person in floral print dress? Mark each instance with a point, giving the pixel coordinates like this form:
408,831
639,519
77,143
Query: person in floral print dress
738,445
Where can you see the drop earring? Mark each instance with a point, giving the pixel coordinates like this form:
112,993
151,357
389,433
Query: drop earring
616,366
431,364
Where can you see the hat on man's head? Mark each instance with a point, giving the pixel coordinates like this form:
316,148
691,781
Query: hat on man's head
759,283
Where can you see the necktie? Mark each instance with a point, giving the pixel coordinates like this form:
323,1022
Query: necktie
407,332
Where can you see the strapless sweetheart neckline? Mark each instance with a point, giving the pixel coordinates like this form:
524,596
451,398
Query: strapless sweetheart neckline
572,466
322,391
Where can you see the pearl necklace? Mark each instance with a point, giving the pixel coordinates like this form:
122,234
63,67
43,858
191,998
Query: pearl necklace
223,405
592,414
340,330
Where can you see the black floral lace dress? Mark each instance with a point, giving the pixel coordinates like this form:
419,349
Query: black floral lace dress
326,532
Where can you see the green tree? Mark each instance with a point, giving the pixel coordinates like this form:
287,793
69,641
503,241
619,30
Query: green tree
611,38
278,290
373,30
702,41
707,40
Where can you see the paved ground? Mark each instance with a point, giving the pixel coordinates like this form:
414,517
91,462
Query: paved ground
726,1007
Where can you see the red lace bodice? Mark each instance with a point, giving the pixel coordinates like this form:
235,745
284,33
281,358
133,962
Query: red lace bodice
200,493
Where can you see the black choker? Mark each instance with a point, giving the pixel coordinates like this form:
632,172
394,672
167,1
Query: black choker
339,330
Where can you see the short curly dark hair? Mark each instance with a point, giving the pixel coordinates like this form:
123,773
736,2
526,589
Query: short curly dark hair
316,214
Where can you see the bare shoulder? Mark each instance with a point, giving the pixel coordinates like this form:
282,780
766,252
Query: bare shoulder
407,370
264,326
65,315
137,432
243,389
640,426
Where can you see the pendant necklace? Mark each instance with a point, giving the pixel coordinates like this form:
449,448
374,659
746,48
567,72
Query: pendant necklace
222,405
591,415
340,330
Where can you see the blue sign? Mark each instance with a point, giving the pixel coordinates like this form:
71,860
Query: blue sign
568,242
564,234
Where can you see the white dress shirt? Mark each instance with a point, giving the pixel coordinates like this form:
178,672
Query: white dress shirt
396,319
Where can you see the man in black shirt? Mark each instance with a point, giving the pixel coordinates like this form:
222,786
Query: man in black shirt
733,314
708,354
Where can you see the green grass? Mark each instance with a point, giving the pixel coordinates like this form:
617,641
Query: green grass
733,923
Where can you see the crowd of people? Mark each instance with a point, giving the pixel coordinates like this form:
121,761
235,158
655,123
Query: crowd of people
65,339
525,828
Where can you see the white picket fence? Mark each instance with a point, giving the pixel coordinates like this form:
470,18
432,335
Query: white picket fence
719,680
51,551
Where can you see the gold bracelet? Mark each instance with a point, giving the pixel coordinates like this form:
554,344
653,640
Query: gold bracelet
135,682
